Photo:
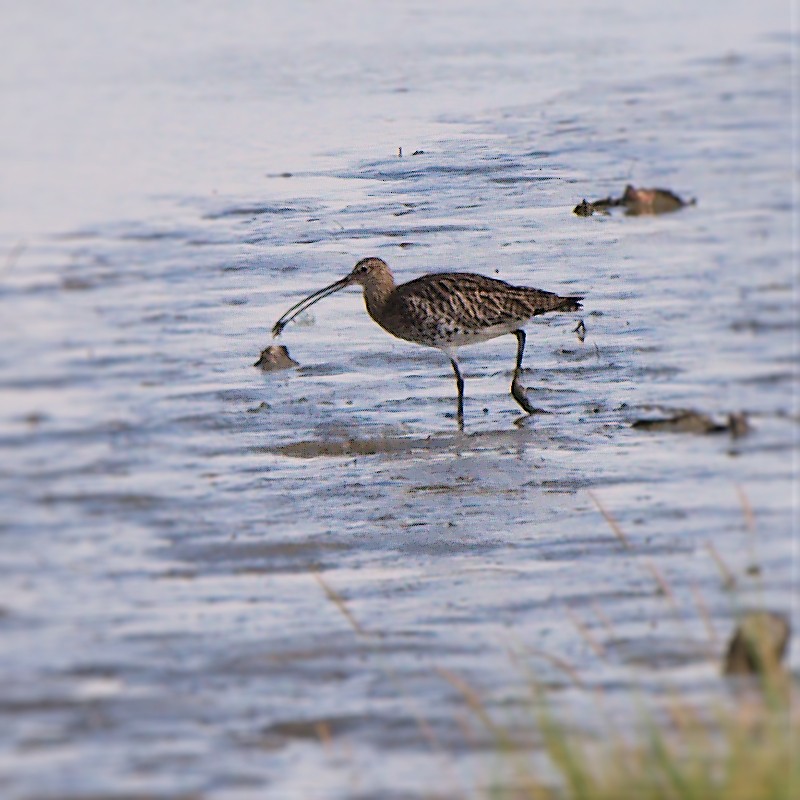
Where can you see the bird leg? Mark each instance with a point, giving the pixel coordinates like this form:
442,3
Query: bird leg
517,390
460,385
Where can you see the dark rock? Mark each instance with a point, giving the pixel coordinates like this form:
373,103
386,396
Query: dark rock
275,357
636,202
586,209
685,422
695,422
758,644
651,201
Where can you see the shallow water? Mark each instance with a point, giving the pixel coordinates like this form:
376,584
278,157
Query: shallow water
218,582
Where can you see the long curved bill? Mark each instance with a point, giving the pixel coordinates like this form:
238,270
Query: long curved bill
298,308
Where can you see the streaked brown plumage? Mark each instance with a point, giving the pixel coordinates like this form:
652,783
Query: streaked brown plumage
446,310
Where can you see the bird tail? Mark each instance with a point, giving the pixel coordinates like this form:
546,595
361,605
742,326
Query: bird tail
568,304
540,302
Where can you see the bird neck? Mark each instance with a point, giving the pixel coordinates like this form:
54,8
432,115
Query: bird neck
377,293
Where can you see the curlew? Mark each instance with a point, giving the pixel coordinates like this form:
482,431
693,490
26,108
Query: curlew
445,310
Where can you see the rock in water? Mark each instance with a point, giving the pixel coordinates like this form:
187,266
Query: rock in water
275,357
635,201
758,644
651,201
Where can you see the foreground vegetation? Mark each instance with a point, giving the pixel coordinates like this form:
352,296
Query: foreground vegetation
745,746
745,753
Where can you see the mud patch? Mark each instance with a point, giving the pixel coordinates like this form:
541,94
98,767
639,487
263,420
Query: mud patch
636,202
695,422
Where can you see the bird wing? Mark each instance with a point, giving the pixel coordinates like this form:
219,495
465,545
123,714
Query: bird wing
475,301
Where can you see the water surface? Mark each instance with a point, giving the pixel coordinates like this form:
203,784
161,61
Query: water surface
218,582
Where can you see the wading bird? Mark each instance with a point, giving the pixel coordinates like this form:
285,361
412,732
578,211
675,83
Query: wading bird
445,310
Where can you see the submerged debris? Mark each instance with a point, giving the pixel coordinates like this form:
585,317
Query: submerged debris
275,357
758,644
635,201
695,422
586,209
652,201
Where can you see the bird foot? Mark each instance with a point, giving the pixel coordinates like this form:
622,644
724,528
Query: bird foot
459,418
519,393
